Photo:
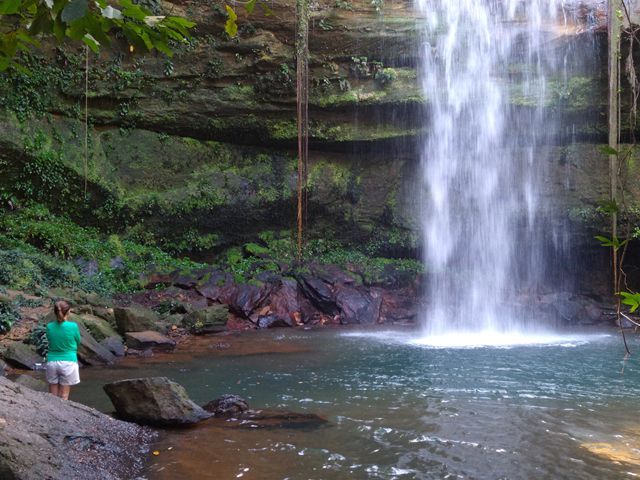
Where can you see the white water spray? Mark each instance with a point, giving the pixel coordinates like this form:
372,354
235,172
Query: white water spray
481,161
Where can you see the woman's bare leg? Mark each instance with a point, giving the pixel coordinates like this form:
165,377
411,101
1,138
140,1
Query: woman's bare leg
64,392
53,389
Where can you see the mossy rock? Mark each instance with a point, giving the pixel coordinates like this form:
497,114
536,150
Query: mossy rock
99,328
210,320
135,319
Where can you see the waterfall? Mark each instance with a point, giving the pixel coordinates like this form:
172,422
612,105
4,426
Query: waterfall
482,160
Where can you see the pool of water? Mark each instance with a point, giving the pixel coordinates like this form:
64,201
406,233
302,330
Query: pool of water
400,408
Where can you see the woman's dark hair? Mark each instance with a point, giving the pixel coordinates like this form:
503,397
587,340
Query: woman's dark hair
61,308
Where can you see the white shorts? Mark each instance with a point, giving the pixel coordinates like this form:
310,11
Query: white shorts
62,373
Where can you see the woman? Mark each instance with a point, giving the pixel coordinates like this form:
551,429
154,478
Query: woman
62,357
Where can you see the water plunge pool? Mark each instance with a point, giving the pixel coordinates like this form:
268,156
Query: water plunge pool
562,408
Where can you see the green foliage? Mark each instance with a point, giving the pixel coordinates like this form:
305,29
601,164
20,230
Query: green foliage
385,76
631,299
231,27
8,315
278,249
614,242
38,338
44,175
22,21
36,244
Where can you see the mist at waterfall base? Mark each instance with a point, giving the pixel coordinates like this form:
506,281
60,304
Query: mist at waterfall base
489,245
397,410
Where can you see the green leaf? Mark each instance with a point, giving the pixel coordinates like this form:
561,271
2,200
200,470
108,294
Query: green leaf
631,299
265,9
10,7
608,206
230,26
92,43
604,241
607,150
74,10
250,6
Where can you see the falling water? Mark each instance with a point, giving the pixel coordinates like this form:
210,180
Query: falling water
482,160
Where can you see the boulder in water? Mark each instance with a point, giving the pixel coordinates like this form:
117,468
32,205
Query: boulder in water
20,355
154,401
114,345
149,340
227,406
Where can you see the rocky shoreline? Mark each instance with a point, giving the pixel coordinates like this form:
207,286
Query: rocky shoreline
45,437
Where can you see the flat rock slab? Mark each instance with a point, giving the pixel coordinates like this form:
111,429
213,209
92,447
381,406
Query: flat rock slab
149,340
20,355
45,437
154,401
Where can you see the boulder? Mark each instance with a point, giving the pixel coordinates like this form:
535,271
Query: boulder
149,340
212,284
105,313
243,299
154,401
135,319
45,437
20,355
31,382
227,406
3,368
114,345
210,320
319,293
286,303
273,321
357,305
90,352
332,274
97,326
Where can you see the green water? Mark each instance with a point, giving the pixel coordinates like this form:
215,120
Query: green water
400,410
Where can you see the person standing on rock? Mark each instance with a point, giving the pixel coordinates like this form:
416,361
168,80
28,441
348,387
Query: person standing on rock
62,358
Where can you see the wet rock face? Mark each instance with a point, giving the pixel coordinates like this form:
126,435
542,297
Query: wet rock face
45,437
154,401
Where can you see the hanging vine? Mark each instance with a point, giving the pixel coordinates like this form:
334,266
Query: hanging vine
86,119
302,112
619,158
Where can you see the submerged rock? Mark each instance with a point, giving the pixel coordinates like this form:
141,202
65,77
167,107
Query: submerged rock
31,382
135,319
114,345
20,355
3,368
149,340
45,437
227,406
154,401
274,419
